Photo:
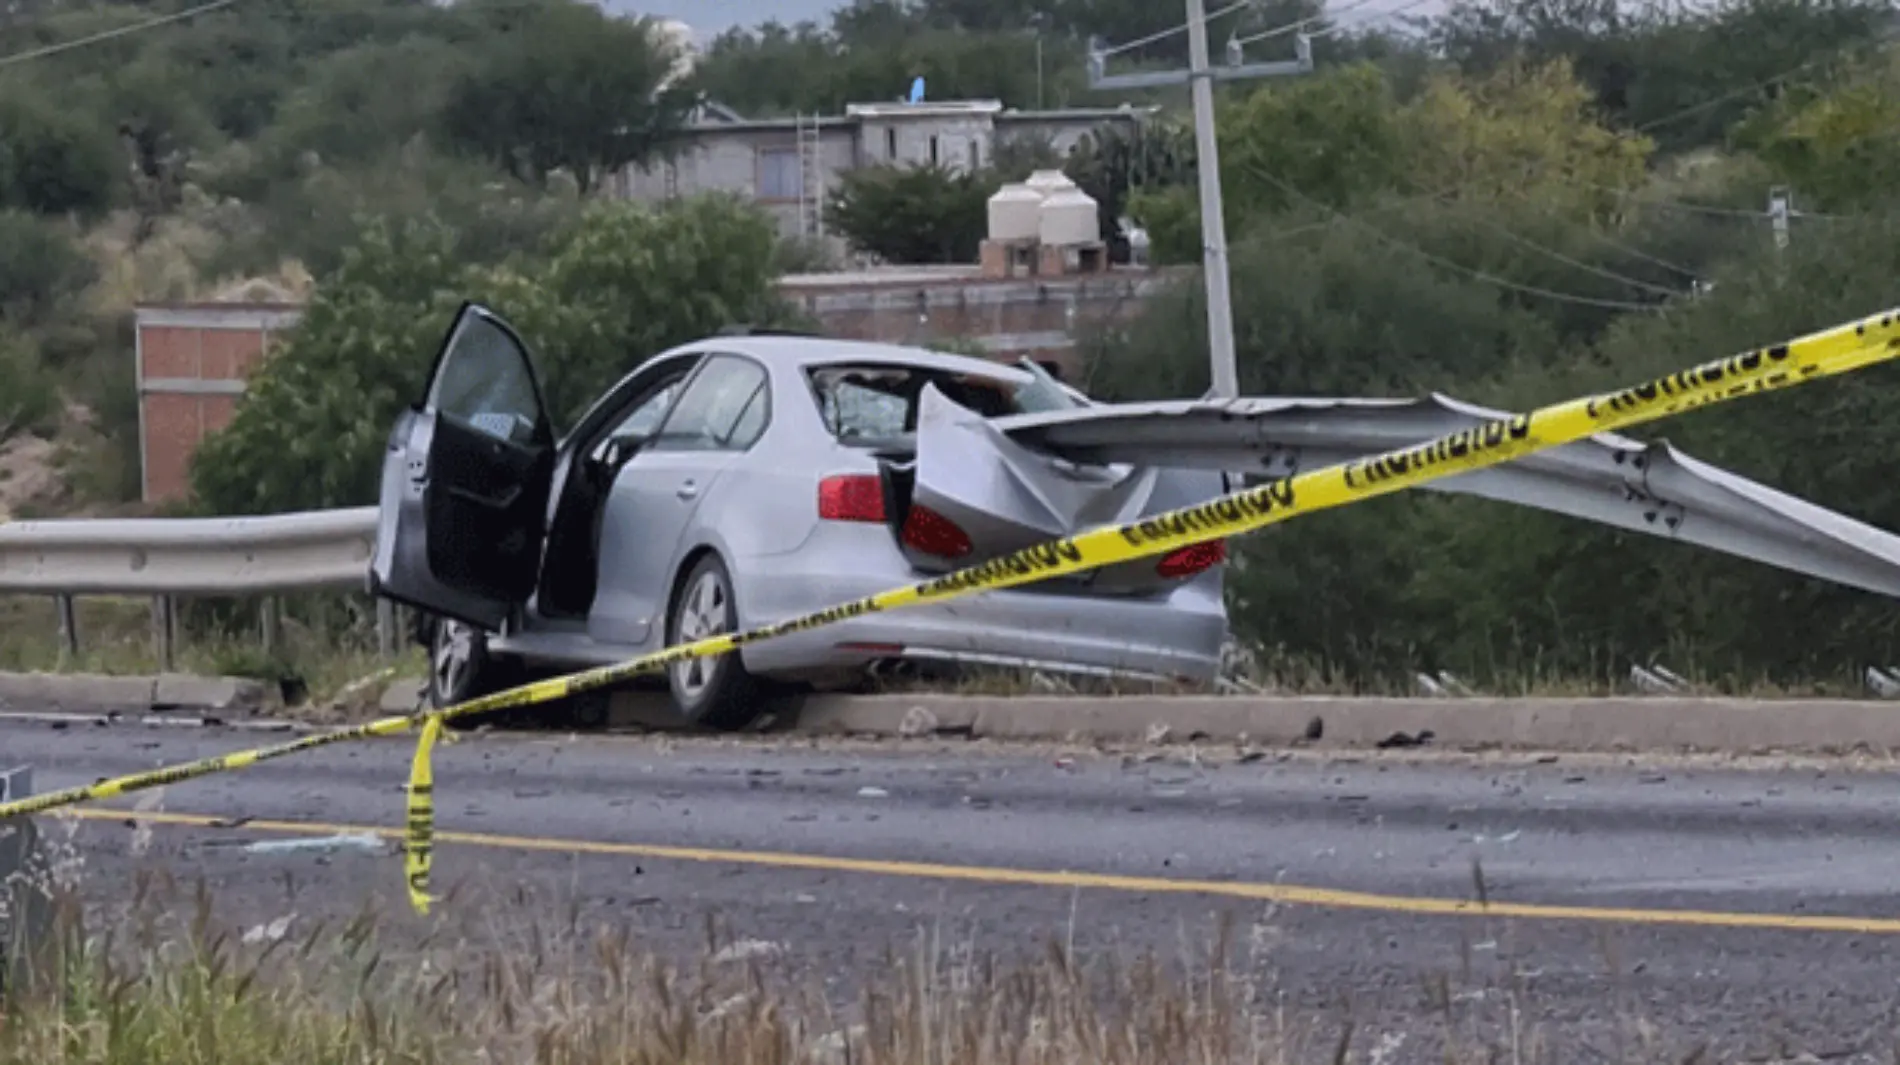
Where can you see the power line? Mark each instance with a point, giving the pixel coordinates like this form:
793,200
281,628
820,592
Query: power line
1456,267
1579,264
1323,16
81,42
1710,210
1732,94
1165,34
1298,24
1631,249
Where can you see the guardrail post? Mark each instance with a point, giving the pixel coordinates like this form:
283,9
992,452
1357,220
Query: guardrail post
267,623
26,904
68,627
385,628
165,632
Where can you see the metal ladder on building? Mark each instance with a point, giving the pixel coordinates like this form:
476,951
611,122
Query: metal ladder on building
811,176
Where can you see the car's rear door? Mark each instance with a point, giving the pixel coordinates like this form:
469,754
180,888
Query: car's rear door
466,478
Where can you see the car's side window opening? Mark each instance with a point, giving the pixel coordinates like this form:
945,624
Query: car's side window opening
643,420
714,412
874,403
485,383
859,410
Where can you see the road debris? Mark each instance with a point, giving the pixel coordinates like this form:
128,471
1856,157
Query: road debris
363,841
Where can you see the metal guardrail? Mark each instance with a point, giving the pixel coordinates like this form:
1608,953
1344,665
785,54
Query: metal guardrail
189,556
166,558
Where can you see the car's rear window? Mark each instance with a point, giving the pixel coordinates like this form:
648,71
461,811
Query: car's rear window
877,403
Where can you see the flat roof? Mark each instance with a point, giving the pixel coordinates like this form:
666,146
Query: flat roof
953,274
923,109
731,122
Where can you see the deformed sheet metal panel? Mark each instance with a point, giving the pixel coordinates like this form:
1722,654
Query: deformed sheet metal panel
1609,478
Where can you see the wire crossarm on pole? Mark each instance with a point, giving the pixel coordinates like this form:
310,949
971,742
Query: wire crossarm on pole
1235,69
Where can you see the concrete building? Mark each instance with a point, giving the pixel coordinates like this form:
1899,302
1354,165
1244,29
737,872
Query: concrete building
790,165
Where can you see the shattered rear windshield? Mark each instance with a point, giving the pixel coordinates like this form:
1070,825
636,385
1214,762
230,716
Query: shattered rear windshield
877,403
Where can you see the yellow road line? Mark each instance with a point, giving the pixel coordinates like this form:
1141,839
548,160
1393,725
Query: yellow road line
1286,894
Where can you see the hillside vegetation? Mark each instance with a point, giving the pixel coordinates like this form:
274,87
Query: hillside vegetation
1511,203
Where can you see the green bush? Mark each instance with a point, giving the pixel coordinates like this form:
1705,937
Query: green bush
619,284
919,214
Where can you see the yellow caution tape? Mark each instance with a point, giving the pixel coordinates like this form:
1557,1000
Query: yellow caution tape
421,838
1834,351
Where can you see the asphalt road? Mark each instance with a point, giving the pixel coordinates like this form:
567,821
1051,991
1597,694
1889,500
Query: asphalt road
1639,909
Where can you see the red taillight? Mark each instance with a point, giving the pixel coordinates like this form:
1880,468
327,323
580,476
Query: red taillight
1192,559
851,497
933,534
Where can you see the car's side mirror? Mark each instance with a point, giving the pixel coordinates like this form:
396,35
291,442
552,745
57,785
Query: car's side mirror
621,449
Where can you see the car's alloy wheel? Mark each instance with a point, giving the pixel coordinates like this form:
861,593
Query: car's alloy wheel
460,669
458,655
716,692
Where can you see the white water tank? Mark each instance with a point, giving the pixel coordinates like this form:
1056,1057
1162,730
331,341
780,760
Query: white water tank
1049,181
1015,213
1068,218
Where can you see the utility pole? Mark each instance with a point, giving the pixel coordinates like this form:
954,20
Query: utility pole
1200,76
1780,207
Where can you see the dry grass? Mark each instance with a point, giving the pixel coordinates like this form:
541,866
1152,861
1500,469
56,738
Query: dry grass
184,990
158,972
116,637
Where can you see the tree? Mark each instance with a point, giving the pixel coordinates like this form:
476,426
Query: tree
625,282
1335,138
1524,132
41,271
918,214
570,88
355,105
51,162
31,397
1117,163
602,294
779,70
1834,142
1340,140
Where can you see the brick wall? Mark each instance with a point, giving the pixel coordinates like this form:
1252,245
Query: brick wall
192,359
1039,317
190,363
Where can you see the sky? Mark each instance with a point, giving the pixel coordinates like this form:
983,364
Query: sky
709,17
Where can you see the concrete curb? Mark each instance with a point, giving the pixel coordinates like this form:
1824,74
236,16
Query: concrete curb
1739,726
1588,724
168,691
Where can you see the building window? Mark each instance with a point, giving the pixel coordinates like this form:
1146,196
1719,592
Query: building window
780,177
890,143
934,157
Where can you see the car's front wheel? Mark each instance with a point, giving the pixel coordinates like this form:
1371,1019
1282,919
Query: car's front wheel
461,668
715,692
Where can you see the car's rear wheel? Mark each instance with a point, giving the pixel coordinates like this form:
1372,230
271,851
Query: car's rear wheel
714,692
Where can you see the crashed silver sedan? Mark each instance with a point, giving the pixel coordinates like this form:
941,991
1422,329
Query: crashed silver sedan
745,479
742,480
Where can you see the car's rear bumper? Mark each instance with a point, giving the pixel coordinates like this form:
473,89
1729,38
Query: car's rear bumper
1179,636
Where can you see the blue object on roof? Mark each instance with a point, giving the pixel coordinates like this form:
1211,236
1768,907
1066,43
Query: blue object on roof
917,91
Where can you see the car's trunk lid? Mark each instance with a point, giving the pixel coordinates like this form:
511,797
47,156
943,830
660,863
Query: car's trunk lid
971,494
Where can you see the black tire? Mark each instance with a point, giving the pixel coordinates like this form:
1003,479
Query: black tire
460,669
587,712
716,693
